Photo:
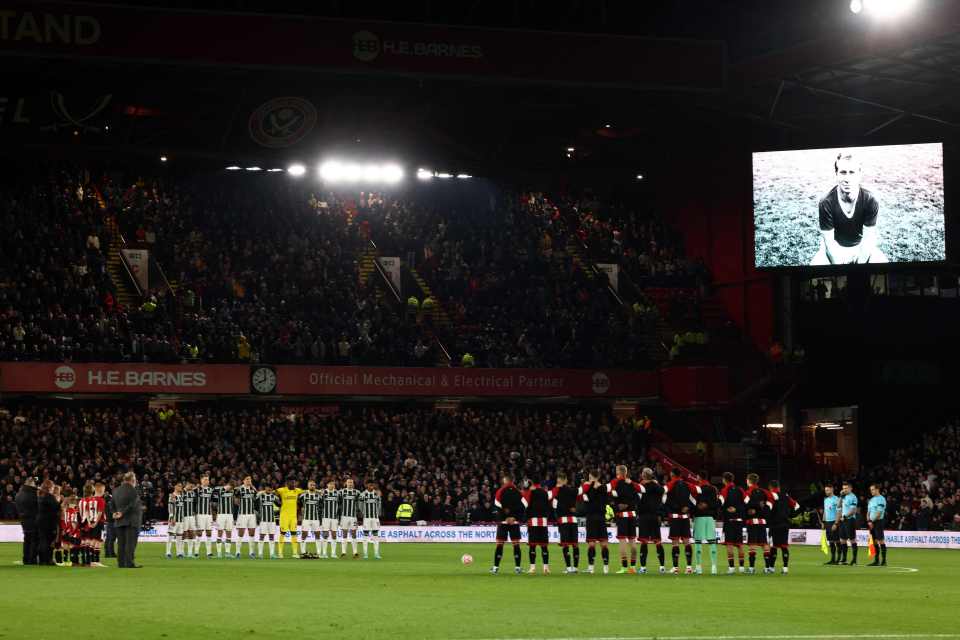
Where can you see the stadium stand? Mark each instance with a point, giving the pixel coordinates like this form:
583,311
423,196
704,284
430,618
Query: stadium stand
272,273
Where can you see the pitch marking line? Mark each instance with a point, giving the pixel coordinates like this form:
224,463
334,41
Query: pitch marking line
857,636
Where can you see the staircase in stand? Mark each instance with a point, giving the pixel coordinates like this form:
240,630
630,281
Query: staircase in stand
575,251
126,295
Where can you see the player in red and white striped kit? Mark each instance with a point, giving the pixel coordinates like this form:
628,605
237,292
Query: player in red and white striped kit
536,501
564,500
625,495
70,527
93,509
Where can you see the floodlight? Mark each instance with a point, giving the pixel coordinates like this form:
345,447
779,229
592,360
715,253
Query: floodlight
392,174
296,170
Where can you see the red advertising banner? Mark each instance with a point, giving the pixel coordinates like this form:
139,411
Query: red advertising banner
304,380
118,33
385,381
52,377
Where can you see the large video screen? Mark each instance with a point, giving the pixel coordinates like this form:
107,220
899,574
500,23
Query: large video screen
854,205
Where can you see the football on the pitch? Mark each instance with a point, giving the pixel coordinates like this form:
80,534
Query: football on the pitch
466,559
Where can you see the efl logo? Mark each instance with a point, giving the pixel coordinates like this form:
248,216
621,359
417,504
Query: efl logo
601,383
366,46
64,377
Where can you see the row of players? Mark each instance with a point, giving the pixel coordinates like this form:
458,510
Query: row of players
637,507
194,508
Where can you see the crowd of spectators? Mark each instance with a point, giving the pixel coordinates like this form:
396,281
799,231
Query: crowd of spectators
505,278
268,271
447,464
56,299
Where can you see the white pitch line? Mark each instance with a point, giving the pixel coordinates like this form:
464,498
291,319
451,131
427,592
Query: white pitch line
856,636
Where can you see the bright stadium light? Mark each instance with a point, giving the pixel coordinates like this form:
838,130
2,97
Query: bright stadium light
254,168
234,167
392,173
464,176
445,176
274,170
883,9
331,171
163,158
336,171
296,170
424,174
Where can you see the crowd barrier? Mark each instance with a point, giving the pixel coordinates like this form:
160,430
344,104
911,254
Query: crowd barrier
487,533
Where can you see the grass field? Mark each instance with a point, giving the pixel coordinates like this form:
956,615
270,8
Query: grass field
423,591
907,180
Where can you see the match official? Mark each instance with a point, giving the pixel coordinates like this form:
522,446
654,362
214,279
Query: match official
848,523
831,522
876,513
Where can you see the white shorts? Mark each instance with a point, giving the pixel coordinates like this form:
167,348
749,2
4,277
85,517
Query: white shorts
267,528
204,522
190,523
348,523
225,522
371,524
176,528
310,525
329,524
246,521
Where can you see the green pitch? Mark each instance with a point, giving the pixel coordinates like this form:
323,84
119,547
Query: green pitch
423,591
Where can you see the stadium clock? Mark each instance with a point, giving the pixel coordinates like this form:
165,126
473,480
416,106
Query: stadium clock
263,380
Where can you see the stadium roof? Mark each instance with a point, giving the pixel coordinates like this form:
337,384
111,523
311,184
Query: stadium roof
793,77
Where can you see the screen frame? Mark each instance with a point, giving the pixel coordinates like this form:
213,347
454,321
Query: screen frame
949,250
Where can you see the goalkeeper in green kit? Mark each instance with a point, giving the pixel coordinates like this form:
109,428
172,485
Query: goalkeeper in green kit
705,524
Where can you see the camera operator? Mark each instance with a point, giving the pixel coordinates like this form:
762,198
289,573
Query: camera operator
27,506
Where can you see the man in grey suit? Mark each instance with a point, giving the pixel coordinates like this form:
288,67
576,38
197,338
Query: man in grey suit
127,517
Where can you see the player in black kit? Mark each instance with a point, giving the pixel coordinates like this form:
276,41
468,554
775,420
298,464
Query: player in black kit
564,500
625,495
678,497
784,508
536,501
594,495
731,500
509,502
648,520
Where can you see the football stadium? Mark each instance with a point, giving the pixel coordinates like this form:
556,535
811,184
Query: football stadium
515,320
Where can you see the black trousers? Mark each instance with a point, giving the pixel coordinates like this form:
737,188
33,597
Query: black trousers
126,545
110,545
46,536
29,545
